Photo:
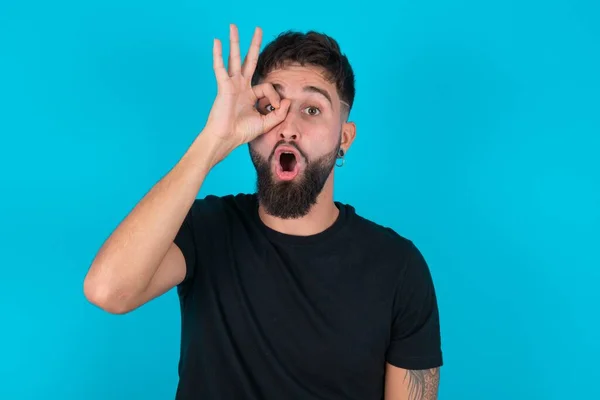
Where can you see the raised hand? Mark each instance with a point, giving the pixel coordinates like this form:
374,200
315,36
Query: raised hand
233,118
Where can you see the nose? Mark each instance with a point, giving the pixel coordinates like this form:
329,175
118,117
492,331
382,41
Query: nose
288,129
288,136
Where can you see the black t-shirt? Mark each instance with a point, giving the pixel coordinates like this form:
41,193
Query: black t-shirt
267,315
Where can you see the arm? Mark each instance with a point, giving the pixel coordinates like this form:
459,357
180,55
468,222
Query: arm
414,356
139,261
403,384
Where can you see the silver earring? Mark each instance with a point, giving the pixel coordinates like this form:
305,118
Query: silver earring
340,157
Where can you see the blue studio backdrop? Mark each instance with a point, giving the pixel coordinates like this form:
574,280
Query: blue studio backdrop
478,128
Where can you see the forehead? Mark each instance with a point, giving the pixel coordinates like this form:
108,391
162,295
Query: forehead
296,79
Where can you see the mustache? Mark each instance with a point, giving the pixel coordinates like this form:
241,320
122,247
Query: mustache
291,144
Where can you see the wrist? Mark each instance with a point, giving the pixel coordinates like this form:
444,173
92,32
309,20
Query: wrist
208,150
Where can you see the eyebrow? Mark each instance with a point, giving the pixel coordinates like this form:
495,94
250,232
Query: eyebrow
310,89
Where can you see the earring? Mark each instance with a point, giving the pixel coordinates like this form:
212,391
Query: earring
340,157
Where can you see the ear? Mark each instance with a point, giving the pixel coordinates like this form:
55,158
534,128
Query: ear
348,135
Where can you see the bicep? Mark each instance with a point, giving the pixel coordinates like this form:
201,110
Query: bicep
177,266
405,384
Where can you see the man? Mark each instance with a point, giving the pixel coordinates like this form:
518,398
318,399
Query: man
285,293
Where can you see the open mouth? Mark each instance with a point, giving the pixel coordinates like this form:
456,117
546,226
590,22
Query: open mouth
288,162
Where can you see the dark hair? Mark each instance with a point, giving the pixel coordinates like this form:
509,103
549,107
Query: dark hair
312,48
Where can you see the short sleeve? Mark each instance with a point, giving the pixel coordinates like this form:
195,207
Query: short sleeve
415,341
185,240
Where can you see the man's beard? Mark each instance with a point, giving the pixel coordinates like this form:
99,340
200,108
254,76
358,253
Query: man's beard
294,198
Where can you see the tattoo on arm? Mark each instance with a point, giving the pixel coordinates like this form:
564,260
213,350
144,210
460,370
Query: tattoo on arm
423,384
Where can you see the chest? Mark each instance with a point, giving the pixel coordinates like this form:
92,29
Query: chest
322,314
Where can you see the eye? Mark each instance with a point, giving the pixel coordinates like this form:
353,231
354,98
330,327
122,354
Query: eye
269,108
312,110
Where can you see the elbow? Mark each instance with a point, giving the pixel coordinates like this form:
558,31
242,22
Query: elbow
105,296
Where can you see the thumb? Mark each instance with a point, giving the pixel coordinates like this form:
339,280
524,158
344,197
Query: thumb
274,118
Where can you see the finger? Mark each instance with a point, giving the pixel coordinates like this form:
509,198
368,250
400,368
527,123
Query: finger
234,51
220,71
252,57
274,118
267,90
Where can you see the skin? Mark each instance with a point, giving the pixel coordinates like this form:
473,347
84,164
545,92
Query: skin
402,384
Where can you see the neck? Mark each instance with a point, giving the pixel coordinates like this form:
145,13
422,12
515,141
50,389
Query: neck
320,217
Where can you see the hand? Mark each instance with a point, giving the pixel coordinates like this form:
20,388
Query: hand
233,118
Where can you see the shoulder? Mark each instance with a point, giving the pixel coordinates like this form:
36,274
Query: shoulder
377,236
212,216
386,246
215,204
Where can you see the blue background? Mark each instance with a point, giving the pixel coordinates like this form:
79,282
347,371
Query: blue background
478,138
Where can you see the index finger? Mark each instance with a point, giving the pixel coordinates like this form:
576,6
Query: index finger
252,56
266,90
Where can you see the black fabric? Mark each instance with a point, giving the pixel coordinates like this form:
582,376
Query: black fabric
272,316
